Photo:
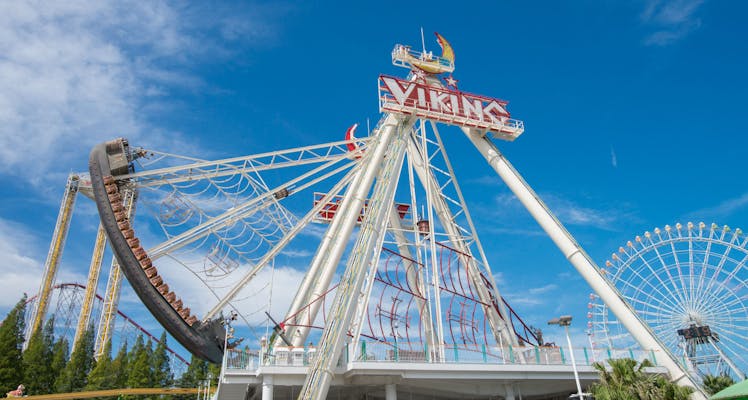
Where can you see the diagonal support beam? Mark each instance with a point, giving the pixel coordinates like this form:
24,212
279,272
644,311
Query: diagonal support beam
580,259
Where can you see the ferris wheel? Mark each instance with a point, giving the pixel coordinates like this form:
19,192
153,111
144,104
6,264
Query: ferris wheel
689,284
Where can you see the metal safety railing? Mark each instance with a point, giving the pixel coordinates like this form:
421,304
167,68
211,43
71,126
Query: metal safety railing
378,352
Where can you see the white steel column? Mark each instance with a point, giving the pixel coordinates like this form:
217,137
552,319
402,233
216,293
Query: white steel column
348,214
267,387
317,278
390,391
509,391
320,375
579,259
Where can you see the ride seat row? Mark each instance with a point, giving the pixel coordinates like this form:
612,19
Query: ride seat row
123,223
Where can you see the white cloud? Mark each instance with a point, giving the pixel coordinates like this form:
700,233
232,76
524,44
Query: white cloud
671,19
76,73
20,271
297,253
543,289
506,207
722,210
574,214
22,264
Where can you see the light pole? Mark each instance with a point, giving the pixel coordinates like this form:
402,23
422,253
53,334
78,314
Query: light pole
395,331
565,321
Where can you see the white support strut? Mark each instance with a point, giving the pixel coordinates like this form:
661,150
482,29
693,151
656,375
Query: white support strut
579,258
320,374
318,276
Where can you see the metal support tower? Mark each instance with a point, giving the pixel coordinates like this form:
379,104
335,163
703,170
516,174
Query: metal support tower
114,284
500,323
94,271
54,255
579,258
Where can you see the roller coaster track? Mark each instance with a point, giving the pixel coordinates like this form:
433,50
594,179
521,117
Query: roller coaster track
124,316
204,339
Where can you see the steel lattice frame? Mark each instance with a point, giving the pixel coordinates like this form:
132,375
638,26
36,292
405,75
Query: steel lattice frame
677,277
223,221
68,300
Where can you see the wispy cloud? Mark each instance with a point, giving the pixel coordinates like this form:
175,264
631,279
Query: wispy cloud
670,19
543,289
524,300
297,253
613,157
572,213
720,211
506,208
489,180
22,264
75,73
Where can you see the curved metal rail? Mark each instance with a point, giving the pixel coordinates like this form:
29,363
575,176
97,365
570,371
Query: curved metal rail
127,318
204,339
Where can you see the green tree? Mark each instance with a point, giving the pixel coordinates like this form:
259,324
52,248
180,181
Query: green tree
102,376
140,372
627,380
195,374
214,371
11,347
120,367
716,383
39,377
162,376
60,353
74,376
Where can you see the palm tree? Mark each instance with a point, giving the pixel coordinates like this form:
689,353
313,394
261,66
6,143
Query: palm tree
715,383
627,380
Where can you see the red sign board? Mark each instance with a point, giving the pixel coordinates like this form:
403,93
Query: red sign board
446,105
329,210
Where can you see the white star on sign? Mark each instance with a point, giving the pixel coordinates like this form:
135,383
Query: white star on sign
451,81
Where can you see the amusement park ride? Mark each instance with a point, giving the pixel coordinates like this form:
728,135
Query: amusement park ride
399,262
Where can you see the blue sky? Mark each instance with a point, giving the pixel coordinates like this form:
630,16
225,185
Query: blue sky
633,111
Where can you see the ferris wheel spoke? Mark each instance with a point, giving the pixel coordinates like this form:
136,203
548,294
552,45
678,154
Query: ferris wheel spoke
662,296
664,311
722,290
718,270
735,345
704,267
715,303
679,269
738,267
675,292
633,283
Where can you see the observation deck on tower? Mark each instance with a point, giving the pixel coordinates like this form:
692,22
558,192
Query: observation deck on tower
404,56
